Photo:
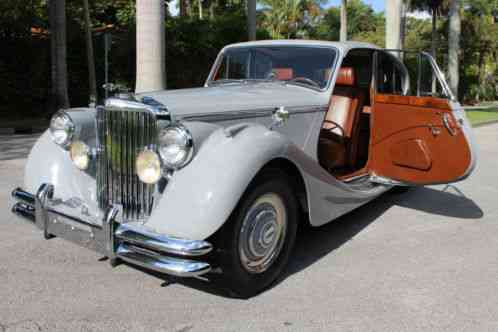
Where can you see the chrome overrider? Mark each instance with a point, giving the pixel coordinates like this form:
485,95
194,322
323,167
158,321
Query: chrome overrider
130,242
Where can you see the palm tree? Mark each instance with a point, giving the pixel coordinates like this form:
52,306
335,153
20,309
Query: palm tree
58,52
90,56
285,18
344,21
293,16
251,19
151,62
434,7
454,30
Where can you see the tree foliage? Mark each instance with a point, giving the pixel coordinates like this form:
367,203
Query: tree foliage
193,44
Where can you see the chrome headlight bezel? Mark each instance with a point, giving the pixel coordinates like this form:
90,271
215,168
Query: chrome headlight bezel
184,143
62,122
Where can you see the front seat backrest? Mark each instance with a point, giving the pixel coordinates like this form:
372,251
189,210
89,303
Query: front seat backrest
342,104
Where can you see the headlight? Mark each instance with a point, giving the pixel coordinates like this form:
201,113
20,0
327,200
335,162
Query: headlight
80,154
175,146
62,129
148,167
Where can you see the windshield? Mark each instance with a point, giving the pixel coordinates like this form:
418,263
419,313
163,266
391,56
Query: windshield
311,66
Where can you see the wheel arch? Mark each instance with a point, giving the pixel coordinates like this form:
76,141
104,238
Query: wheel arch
293,172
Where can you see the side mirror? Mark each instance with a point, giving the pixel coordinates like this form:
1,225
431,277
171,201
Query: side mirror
279,117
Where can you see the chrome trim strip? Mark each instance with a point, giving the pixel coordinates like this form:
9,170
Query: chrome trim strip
154,241
169,265
249,114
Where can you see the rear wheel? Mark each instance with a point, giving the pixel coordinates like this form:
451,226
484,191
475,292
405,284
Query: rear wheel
256,242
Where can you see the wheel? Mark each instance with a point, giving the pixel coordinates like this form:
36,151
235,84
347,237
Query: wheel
255,244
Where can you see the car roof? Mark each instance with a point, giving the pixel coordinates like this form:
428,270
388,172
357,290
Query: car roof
344,46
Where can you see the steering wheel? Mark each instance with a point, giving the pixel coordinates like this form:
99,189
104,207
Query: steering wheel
335,125
271,76
306,80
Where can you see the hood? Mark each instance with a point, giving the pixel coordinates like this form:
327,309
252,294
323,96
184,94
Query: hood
237,97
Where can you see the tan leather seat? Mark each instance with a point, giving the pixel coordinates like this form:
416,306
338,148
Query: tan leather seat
336,147
283,74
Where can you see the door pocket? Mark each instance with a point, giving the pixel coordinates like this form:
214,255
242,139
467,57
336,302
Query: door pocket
412,153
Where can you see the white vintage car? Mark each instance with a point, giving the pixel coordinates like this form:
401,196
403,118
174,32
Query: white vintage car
215,180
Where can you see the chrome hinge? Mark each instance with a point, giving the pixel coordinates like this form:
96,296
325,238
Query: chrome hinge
386,181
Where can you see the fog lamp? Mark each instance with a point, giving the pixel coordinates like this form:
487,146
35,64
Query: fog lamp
148,167
80,154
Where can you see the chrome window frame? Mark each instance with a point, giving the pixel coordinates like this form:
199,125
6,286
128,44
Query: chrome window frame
435,67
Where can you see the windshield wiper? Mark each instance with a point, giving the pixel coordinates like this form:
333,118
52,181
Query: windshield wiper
304,81
226,81
241,81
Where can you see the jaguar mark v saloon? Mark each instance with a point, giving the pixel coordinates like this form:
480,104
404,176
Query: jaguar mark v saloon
214,180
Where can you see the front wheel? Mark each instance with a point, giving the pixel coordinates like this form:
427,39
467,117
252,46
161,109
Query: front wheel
256,242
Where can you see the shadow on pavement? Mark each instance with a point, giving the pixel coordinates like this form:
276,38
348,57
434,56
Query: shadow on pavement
16,146
314,243
449,202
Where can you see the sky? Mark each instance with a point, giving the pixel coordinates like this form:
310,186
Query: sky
377,5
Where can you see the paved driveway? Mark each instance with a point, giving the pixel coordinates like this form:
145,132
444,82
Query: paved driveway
423,260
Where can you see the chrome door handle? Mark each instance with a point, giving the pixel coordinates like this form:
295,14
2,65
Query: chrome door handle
434,130
446,122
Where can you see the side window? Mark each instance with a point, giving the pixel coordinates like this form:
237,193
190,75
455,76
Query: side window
391,78
409,74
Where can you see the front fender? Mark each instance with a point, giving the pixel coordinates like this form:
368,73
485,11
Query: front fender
199,198
49,163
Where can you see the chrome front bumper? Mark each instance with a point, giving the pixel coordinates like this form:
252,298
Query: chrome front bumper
130,242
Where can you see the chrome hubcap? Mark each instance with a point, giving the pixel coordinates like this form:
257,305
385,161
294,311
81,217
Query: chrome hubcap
263,233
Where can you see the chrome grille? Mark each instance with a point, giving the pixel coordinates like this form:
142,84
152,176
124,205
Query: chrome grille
122,133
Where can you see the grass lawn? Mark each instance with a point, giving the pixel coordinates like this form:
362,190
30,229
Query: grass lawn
477,117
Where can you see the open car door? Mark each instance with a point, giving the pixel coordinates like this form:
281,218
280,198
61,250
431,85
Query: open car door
421,137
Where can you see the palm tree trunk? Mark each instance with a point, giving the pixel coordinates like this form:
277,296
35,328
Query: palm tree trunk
151,50
393,24
434,43
344,21
212,7
183,8
434,32
90,56
58,51
251,19
405,8
454,46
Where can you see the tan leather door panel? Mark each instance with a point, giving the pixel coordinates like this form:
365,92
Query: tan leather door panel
410,142
412,153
